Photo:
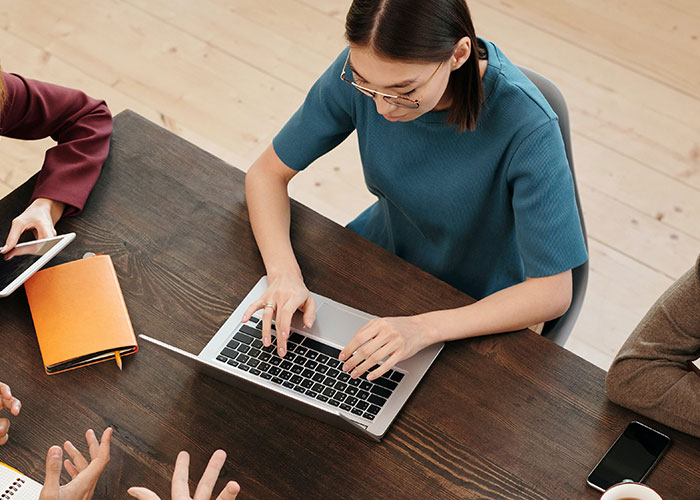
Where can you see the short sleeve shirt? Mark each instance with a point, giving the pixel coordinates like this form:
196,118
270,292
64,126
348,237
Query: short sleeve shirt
483,209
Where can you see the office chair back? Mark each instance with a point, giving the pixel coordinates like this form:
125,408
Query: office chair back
558,330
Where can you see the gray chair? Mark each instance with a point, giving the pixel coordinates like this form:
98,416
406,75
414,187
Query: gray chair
558,330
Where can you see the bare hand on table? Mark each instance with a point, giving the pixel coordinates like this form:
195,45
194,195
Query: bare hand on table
281,299
393,338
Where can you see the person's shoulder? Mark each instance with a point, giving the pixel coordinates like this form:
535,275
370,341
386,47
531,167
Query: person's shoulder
12,100
330,85
12,84
340,59
689,284
513,93
19,88
333,71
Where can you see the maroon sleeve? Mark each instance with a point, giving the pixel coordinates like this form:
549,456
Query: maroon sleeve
81,126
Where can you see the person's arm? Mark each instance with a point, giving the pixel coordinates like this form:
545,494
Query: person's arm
180,487
550,241
323,121
514,308
268,207
80,125
651,374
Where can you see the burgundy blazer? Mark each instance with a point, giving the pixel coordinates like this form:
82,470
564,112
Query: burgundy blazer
81,126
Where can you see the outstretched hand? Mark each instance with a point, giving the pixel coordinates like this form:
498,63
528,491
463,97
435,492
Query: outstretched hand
84,475
180,487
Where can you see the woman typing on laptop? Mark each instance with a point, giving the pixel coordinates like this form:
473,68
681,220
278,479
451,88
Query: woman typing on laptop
81,126
467,161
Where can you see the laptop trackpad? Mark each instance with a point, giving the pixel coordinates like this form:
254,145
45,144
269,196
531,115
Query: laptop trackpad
332,323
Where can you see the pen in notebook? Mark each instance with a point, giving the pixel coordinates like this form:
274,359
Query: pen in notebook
118,359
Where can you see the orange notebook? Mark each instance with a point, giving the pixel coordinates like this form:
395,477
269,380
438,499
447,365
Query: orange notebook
79,314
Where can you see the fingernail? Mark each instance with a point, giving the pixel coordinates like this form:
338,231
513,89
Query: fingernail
342,356
354,374
3,248
16,405
370,377
285,335
55,452
282,351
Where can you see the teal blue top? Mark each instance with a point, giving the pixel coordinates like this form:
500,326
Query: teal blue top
481,210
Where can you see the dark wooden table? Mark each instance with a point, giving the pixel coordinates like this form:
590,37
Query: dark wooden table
507,416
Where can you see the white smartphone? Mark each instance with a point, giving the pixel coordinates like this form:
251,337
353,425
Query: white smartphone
25,259
630,458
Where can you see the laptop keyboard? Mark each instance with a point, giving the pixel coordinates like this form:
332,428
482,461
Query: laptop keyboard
311,368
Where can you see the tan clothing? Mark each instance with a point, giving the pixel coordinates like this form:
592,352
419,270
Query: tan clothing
650,374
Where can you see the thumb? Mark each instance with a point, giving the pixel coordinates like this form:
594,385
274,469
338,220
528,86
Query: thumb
44,229
53,470
16,231
230,491
142,493
309,312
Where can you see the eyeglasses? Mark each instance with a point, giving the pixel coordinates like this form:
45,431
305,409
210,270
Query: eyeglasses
397,100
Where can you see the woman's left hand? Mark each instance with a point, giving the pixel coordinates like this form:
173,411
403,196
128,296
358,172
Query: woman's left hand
396,338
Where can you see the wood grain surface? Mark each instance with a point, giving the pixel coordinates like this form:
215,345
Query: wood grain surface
510,416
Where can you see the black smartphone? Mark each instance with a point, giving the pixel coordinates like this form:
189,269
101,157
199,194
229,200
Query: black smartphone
630,457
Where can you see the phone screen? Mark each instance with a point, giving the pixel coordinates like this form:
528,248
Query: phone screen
631,457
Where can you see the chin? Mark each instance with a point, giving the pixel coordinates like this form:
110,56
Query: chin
402,118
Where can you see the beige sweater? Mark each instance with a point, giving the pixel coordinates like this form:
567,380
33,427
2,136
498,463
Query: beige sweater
651,374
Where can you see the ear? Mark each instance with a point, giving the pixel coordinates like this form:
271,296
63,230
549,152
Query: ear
461,53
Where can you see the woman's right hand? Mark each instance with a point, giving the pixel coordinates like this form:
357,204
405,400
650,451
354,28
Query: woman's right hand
284,295
40,216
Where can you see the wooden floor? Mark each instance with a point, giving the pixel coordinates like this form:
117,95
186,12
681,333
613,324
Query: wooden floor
226,74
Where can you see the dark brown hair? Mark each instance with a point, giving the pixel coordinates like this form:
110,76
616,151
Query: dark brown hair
425,31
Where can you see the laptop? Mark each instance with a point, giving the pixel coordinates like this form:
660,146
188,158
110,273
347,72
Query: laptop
309,378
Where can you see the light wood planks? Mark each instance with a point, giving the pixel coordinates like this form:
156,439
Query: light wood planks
227,74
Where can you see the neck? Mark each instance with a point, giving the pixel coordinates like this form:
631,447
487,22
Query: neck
446,100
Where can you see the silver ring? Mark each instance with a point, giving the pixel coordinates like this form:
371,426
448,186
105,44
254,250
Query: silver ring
269,304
